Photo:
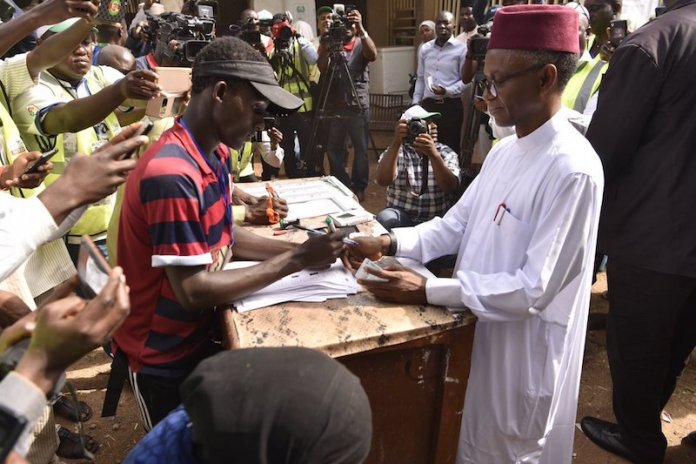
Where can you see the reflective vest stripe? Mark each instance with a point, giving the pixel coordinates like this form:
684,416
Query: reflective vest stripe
588,86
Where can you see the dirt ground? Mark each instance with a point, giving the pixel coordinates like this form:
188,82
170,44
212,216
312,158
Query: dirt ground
118,435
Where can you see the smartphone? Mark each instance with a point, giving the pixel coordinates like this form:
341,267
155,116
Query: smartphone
618,31
92,269
145,129
43,159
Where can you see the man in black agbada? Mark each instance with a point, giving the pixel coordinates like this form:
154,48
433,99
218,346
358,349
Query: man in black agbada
645,133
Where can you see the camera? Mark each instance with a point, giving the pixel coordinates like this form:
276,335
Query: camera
282,33
479,44
190,33
416,127
339,25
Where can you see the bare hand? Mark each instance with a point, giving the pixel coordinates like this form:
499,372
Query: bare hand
240,197
481,105
97,176
438,90
276,137
400,132
140,31
139,85
56,11
367,247
606,51
256,213
425,145
71,327
13,177
320,251
403,285
354,17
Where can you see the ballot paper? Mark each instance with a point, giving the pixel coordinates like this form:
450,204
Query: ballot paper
312,285
310,198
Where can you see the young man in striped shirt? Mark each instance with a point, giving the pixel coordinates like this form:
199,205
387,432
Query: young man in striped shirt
176,227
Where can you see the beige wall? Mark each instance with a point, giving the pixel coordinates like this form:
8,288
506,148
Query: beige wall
172,5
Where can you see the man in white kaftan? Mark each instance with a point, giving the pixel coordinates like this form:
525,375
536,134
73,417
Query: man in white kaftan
525,234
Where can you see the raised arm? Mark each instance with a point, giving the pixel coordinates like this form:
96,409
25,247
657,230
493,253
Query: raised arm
49,12
82,113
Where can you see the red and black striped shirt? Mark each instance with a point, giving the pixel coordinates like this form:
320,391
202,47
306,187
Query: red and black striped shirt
173,214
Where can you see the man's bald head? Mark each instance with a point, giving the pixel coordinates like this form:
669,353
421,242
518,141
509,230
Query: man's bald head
118,57
444,26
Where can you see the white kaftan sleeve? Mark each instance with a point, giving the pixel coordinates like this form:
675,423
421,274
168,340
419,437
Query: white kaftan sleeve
555,256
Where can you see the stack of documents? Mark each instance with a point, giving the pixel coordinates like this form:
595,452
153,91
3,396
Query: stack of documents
307,285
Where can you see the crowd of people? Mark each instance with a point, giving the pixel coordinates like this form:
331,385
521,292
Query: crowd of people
528,156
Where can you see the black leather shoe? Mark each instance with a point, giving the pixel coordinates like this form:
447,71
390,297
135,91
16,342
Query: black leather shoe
606,435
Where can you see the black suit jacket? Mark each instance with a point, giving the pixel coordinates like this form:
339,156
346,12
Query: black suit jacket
644,131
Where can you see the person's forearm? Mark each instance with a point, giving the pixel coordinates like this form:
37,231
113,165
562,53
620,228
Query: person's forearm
197,289
18,28
444,178
81,113
386,169
468,70
369,49
54,49
309,52
60,199
252,247
128,118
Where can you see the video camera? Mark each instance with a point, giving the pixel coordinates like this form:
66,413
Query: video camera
479,43
282,33
190,33
339,25
206,9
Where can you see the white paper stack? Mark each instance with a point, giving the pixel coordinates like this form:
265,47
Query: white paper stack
307,285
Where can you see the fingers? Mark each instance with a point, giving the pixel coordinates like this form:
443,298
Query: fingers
127,133
116,151
111,308
81,8
65,289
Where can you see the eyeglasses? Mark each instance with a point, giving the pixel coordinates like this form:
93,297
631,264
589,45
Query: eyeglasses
492,86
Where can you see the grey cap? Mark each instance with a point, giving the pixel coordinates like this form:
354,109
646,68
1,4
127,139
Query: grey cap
259,74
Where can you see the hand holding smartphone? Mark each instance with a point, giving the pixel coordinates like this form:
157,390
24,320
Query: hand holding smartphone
43,159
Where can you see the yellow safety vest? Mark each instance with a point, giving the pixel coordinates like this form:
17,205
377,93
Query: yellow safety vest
12,146
584,84
95,220
296,85
241,162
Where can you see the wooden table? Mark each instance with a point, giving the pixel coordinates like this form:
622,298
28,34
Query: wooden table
413,362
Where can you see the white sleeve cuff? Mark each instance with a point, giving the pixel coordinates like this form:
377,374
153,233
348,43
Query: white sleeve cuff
25,399
444,292
171,260
407,242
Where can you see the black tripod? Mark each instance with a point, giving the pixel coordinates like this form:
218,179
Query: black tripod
337,69
283,63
